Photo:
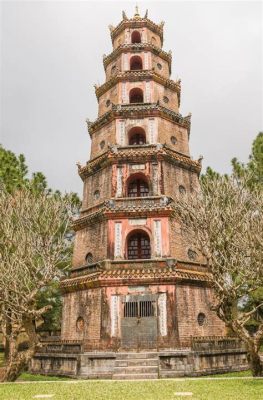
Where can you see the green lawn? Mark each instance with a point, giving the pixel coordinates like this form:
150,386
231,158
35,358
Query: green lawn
222,389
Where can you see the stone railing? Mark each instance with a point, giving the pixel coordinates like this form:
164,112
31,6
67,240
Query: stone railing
204,343
138,203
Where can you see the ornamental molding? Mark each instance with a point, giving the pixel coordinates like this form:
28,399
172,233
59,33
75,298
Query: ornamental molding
137,22
135,48
125,207
139,110
138,154
133,76
123,276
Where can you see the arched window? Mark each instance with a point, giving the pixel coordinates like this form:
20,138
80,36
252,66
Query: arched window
80,324
135,63
138,188
137,136
136,95
136,37
138,246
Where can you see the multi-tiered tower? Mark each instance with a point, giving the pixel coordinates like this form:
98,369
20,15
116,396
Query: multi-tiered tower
134,281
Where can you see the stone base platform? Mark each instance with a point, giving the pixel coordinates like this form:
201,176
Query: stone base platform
140,365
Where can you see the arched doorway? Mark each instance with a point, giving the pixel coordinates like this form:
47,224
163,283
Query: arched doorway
137,136
138,246
136,37
135,63
138,187
136,95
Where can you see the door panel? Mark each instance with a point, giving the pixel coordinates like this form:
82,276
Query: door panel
139,322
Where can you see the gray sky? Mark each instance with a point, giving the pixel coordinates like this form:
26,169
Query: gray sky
52,55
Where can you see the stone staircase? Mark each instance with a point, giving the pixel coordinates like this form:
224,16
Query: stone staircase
136,366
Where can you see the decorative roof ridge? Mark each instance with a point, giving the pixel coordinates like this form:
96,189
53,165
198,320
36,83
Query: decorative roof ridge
107,58
131,75
144,273
120,109
136,22
116,153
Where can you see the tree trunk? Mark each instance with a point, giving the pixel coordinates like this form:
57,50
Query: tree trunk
255,363
19,360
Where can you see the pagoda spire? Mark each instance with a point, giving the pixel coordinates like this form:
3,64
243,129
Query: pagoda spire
136,15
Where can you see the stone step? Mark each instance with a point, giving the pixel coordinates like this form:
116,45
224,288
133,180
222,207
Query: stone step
136,370
135,376
137,362
124,356
101,375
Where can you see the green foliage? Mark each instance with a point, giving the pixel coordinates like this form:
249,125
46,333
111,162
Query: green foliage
14,175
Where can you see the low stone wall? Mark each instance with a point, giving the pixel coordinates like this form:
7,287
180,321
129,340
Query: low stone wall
195,363
55,364
171,363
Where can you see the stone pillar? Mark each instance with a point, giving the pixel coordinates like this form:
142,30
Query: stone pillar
152,128
123,93
121,132
118,240
119,182
114,315
162,314
157,238
155,180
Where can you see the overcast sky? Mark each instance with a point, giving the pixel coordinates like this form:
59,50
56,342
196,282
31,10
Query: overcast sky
51,57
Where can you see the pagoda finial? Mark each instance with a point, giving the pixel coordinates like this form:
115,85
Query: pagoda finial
124,16
146,14
136,15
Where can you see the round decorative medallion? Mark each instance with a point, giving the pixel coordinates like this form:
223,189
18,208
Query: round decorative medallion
201,319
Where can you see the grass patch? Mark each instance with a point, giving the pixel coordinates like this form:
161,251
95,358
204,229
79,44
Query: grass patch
26,377
234,389
231,374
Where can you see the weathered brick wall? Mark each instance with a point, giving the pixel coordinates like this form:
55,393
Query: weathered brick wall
119,39
114,67
92,239
112,95
160,93
192,300
85,304
153,38
107,134
174,176
101,181
164,70
179,245
167,130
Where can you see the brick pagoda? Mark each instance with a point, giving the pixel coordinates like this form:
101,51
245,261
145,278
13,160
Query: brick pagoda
135,283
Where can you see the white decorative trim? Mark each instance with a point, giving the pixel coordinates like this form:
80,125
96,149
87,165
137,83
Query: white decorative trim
126,66
121,132
119,182
146,60
114,315
147,92
144,36
118,240
123,92
138,166
138,221
152,122
157,238
162,314
127,36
